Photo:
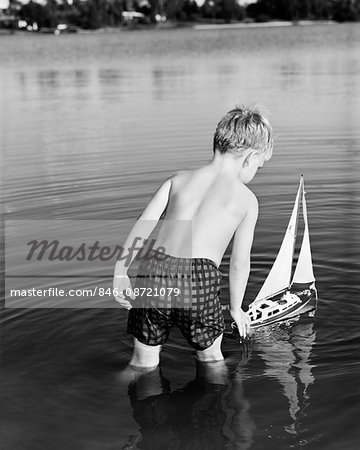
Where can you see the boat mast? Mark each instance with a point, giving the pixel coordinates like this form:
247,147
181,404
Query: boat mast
301,190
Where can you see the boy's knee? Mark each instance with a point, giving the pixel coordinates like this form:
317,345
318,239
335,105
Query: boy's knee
210,358
212,353
145,356
209,355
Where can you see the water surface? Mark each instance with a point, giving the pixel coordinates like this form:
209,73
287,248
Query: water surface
91,125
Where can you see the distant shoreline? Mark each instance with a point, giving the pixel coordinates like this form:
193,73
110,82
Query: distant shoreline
273,23
210,26
176,25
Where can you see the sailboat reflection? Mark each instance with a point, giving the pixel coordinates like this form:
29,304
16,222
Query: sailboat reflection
287,356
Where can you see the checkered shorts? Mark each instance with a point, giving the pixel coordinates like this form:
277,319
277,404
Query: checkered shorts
182,292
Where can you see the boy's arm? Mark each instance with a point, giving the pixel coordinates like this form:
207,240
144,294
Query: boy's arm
240,264
142,228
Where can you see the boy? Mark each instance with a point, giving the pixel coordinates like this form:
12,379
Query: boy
215,200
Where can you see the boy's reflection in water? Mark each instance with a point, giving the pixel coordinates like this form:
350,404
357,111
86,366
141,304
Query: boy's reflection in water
210,412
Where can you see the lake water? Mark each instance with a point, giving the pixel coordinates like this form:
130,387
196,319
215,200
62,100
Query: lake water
91,125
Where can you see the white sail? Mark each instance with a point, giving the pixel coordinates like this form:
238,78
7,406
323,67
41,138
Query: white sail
280,274
304,268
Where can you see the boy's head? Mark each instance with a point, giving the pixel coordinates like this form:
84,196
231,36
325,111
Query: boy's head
243,129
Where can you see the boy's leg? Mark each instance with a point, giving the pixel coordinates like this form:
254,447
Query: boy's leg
145,356
214,372
212,353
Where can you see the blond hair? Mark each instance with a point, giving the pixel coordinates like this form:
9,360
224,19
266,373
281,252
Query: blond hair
241,129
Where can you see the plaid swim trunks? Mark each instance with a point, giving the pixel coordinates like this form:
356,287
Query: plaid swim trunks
182,292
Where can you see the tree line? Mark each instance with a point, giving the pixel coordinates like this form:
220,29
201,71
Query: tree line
93,14
339,10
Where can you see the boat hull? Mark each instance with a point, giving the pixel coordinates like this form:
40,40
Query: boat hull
308,303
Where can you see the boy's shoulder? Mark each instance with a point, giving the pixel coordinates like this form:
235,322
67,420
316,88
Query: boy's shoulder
248,205
247,193
182,175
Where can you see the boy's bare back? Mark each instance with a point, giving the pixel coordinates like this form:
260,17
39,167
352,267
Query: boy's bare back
214,201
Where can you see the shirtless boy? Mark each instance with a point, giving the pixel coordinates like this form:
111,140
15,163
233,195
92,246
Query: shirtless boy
215,200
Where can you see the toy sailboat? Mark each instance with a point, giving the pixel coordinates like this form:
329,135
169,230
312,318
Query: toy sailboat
282,297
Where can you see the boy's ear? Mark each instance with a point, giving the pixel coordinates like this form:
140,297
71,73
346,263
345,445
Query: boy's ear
248,158
246,161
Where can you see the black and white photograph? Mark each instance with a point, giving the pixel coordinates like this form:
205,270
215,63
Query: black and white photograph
180,224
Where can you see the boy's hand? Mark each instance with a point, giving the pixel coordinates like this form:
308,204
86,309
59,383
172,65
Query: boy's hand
121,284
242,321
